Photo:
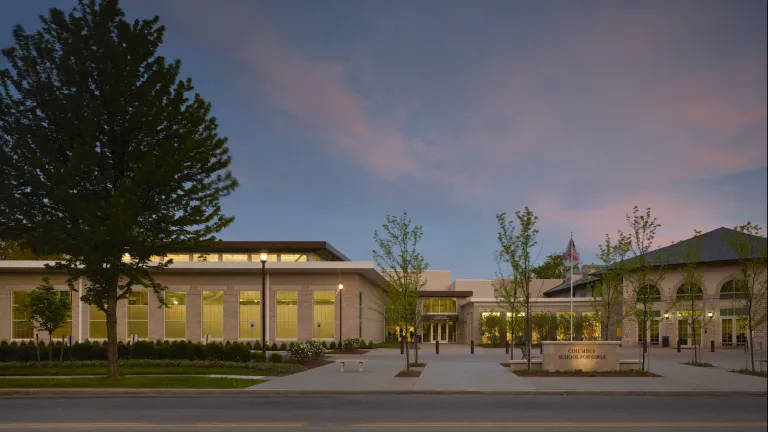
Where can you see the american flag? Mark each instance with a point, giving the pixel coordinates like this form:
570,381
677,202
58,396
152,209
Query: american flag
571,255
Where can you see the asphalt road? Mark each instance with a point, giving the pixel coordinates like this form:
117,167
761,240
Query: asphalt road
379,413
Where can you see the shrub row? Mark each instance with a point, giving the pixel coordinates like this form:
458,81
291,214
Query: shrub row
176,350
274,367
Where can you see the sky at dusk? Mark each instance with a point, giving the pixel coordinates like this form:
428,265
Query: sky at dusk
341,112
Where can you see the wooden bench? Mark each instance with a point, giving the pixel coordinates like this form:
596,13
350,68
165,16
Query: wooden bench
359,361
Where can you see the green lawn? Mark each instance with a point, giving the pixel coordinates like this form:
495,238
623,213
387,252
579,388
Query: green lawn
142,382
387,345
143,370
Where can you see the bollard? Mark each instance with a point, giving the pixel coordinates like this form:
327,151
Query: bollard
472,347
679,342
712,346
437,347
506,346
402,347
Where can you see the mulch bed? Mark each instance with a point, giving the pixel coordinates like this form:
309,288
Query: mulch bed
700,364
311,364
749,372
410,374
583,374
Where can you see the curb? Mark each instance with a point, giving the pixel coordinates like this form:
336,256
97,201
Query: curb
89,393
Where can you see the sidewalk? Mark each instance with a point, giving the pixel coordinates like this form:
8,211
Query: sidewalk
455,370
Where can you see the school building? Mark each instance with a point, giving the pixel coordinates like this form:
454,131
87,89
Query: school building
314,292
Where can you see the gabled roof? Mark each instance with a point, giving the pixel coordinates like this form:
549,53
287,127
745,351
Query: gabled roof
714,248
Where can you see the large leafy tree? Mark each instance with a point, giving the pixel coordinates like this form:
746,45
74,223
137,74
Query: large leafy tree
104,152
403,267
552,268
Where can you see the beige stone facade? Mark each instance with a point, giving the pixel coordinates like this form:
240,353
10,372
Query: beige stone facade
722,326
361,308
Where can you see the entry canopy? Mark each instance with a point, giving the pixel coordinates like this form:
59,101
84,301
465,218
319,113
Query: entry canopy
445,294
440,317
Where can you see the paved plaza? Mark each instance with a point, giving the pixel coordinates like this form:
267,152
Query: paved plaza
455,369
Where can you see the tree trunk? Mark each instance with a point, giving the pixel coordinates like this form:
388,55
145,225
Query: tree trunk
50,348
528,333
751,342
112,365
61,359
512,342
416,345
407,350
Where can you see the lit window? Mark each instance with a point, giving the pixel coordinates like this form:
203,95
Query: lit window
324,314
234,257
138,314
618,331
156,258
66,328
287,315
22,328
178,257
316,257
250,312
590,326
213,314
272,257
176,315
293,257
206,257
126,257
97,323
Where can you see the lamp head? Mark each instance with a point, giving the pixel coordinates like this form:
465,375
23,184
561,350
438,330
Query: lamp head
263,256
341,286
666,315
710,314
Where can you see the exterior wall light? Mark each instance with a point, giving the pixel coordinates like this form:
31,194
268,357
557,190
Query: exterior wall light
710,314
666,315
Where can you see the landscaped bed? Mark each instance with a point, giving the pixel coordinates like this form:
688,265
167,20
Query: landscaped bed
141,382
157,367
586,374
408,374
353,352
750,372
698,364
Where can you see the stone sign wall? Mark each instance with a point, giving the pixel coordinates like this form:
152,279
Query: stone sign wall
580,355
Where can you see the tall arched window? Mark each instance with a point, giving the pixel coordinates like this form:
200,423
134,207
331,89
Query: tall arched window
648,291
732,290
688,291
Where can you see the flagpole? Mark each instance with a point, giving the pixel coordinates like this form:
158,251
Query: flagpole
570,246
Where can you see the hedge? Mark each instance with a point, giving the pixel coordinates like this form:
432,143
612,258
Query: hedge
280,368
141,350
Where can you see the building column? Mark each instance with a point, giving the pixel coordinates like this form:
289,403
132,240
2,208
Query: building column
231,314
194,325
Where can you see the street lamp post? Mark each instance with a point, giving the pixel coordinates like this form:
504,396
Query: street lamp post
341,315
263,256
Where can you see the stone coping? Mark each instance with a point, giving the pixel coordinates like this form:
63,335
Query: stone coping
581,342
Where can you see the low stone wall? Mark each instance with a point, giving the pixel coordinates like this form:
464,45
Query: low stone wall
580,355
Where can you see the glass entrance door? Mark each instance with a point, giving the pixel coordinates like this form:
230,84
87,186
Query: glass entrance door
443,331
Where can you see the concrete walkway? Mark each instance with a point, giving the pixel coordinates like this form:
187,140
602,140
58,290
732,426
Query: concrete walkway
455,369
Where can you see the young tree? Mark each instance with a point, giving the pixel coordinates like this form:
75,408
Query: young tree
105,153
751,251
607,293
403,269
643,275
493,327
554,267
508,292
690,296
516,245
48,310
